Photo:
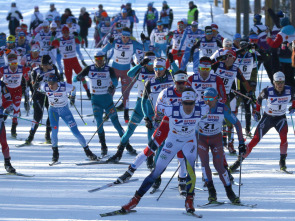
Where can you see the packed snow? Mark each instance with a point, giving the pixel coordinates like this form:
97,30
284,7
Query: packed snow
60,192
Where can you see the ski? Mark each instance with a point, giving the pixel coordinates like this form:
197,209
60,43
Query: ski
101,162
241,204
117,212
54,163
193,214
154,190
285,171
23,145
196,188
211,204
17,174
110,185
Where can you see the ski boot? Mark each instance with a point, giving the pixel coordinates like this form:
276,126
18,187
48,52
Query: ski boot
231,178
157,183
117,157
212,192
231,148
120,107
132,203
150,162
283,162
13,130
236,165
29,140
231,195
182,186
103,146
55,154
131,150
248,132
126,176
84,63
189,203
47,135
88,94
89,153
8,166
126,115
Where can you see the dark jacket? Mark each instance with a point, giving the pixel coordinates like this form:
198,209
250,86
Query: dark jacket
84,23
13,17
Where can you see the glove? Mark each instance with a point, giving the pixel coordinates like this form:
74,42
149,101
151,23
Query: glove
111,40
148,123
252,96
133,64
75,79
242,149
170,57
221,58
170,33
179,53
39,78
142,36
53,33
75,34
36,85
291,110
33,42
72,100
257,116
19,51
111,89
145,61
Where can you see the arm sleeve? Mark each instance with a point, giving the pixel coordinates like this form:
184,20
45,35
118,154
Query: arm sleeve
275,43
174,67
83,73
145,103
219,44
108,47
113,77
5,93
152,37
233,119
133,71
69,88
221,89
262,95
1,72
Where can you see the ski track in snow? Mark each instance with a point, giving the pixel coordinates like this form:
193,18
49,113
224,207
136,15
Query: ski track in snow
60,192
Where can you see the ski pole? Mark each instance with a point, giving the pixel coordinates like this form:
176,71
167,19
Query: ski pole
240,178
168,182
243,95
78,112
35,122
88,55
81,98
106,117
292,123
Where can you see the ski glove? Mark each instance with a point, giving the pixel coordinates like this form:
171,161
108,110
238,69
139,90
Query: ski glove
111,40
53,33
170,57
179,53
75,34
145,61
291,110
75,79
148,123
257,116
242,149
111,89
142,36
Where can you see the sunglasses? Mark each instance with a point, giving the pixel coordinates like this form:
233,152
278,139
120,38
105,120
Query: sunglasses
279,82
204,69
21,37
10,42
99,58
209,98
13,63
159,69
209,33
123,36
188,102
180,82
150,63
230,56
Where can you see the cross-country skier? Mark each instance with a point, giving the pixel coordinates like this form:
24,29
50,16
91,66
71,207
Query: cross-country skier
210,137
278,97
57,94
183,121
5,101
103,83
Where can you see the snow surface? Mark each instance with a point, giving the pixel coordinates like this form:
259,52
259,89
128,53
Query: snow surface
60,192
